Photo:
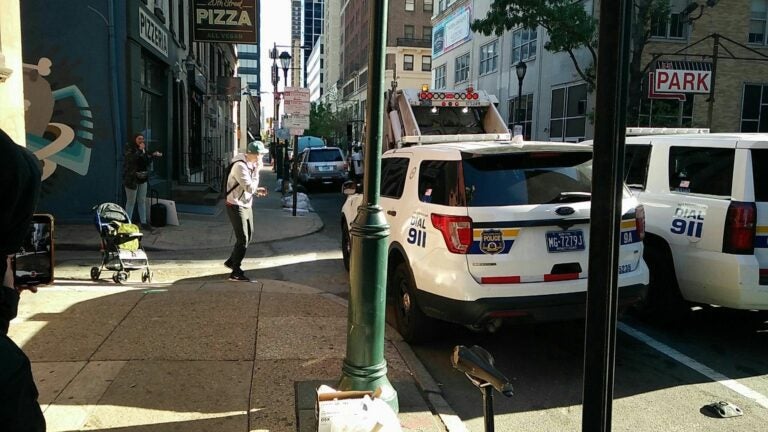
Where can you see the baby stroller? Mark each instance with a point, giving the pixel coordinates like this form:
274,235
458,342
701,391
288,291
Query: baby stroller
121,249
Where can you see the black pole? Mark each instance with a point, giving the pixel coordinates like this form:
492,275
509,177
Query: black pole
488,408
293,172
610,129
520,105
711,100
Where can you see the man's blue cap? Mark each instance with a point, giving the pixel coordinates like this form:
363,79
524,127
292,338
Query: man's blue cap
256,147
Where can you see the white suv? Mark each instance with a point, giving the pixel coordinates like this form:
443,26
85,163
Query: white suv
483,232
706,204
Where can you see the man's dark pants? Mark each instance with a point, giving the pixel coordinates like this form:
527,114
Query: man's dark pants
242,222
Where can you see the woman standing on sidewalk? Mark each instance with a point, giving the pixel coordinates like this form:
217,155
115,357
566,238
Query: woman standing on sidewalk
135,176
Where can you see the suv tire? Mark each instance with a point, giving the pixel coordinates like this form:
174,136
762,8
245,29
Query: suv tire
412,324
664,303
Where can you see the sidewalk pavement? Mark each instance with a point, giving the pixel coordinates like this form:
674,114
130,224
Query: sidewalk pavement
206,231
200,354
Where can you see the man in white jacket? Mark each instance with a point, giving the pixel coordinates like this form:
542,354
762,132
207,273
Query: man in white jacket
242,186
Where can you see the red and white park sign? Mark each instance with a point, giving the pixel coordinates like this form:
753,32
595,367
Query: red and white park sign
682,81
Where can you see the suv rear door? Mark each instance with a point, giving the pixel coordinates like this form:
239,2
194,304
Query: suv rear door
530,215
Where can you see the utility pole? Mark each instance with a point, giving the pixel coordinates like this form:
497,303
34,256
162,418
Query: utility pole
711,100
364,366
276,114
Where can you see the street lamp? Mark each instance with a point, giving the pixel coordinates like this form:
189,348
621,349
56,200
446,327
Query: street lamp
276,114
285,63
520,69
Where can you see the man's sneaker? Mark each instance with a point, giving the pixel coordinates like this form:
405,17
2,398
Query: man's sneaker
228,264
239,277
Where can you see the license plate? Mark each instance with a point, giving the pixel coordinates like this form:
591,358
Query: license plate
325,168
565,241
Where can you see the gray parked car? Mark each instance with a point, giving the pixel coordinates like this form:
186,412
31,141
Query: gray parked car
322,165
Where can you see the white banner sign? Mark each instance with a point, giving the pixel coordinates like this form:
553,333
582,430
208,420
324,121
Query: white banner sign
296,107
297,132
682,81
296,94
296,122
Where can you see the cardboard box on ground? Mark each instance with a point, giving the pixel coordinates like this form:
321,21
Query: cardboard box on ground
354,411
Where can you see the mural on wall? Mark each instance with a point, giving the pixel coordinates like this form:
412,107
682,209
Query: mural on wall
56,144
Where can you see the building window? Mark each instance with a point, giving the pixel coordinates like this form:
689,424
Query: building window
426,33
666,113
182,21
670,26
757,22
568,115
523,45
521,113
462,69
440,5
440,77
408,62
426,63
408,31
489,57
427,5
754,108
410,5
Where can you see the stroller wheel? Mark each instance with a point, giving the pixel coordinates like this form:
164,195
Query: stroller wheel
146,276
120,277
95,273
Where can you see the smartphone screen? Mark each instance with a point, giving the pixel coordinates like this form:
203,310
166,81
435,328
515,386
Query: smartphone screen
33,263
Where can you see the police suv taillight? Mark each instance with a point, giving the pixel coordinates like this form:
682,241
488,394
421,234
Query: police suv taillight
739,234
640,221
456,230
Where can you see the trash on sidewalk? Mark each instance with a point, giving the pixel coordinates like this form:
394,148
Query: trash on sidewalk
354,411
302,203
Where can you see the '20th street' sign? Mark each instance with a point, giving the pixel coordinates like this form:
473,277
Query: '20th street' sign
233,21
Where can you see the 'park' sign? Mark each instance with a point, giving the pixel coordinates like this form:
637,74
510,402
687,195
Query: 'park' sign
226,21
676,77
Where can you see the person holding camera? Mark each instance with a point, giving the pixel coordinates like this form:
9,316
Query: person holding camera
135,176
20,176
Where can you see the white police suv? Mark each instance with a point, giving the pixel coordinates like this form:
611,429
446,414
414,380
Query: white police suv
482,232
706,203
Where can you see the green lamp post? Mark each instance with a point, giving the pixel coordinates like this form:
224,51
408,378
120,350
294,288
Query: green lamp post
364,366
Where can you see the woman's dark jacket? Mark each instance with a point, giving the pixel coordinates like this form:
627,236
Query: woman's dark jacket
135,161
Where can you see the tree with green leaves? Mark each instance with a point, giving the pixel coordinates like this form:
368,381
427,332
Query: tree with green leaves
321,120
571,28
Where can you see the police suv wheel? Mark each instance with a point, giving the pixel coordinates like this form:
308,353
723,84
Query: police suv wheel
410,321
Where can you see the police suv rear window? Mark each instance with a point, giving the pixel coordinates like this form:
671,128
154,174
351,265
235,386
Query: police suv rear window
526,178
701,170
325,155
760,174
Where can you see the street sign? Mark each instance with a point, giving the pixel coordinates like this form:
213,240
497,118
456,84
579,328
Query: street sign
296,93
296,122
297,132
296,107
283,133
